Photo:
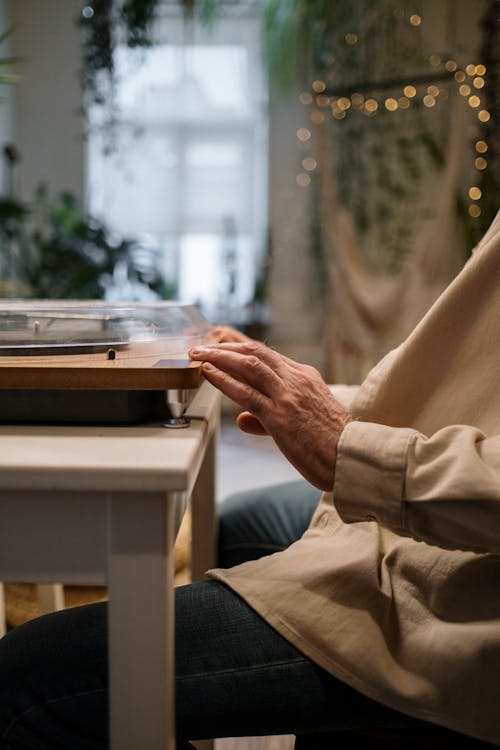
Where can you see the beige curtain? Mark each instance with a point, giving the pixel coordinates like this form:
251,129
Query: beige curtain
369,312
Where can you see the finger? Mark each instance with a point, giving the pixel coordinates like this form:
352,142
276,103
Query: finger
242,393
212,337
247,368
225,334
247,422
276,361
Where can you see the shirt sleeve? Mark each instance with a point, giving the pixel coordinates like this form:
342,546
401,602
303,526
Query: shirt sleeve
344,393
443,489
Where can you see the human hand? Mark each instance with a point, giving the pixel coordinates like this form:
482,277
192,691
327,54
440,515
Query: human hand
224,334
282,398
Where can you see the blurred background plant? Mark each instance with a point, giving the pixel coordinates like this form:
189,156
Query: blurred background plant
379,154
106,24
349,59
9,65
361,65
51,249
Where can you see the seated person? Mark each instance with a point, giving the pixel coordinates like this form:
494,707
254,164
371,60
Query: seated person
366,596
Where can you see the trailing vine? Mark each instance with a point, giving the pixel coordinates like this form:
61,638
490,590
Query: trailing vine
346,56
488,132
106,23
365,47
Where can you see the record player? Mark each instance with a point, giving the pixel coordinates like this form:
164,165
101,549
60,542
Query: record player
98,362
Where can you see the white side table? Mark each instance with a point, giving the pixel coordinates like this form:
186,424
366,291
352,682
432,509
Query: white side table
102,505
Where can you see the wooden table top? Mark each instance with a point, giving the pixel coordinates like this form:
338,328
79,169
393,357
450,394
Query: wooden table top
83,372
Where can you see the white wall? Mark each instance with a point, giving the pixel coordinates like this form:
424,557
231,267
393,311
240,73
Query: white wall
47,124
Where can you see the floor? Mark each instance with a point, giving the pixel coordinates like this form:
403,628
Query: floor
248,461
245,462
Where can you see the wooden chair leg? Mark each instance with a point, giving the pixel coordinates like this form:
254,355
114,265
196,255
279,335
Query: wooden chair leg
50,597
3,618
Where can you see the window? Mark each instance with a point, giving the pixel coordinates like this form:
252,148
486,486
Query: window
188,176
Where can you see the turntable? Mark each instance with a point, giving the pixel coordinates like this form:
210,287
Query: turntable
98,362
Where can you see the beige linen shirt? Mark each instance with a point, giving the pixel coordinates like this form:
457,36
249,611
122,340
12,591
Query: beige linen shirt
395,586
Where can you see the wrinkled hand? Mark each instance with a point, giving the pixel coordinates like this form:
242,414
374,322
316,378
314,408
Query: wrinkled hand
282,398
224,334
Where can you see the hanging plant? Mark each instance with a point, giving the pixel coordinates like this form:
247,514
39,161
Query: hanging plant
478,213
295,33
343,55
106,23
50,248
9,65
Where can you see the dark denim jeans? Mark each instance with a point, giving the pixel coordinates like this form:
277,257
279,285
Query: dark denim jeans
235,675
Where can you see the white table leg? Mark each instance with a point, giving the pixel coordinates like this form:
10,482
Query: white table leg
204,521
204,524
141,620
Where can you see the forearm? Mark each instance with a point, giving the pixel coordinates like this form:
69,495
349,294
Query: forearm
443,489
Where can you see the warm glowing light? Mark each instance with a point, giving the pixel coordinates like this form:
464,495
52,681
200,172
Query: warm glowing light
474,101
481,147
475,193
429,101
480,163
450,66
303,179
435,60
474,211
339,114
480,70
343,102
317,117
415,20
351,38
470,70
309,164
357,99
483,115
398,13
305,97
322,100
391,104
478,82
464,89
303,134
433,90
403,102
318,86
371,105
459,76
410,91
443,94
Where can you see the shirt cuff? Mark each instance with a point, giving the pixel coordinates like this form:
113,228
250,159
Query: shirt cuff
370,473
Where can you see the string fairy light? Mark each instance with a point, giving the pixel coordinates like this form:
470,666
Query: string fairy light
469,79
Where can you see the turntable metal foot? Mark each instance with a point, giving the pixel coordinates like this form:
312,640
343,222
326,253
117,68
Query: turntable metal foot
177,401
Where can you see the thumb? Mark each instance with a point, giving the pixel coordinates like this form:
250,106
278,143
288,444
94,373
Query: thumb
248,423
